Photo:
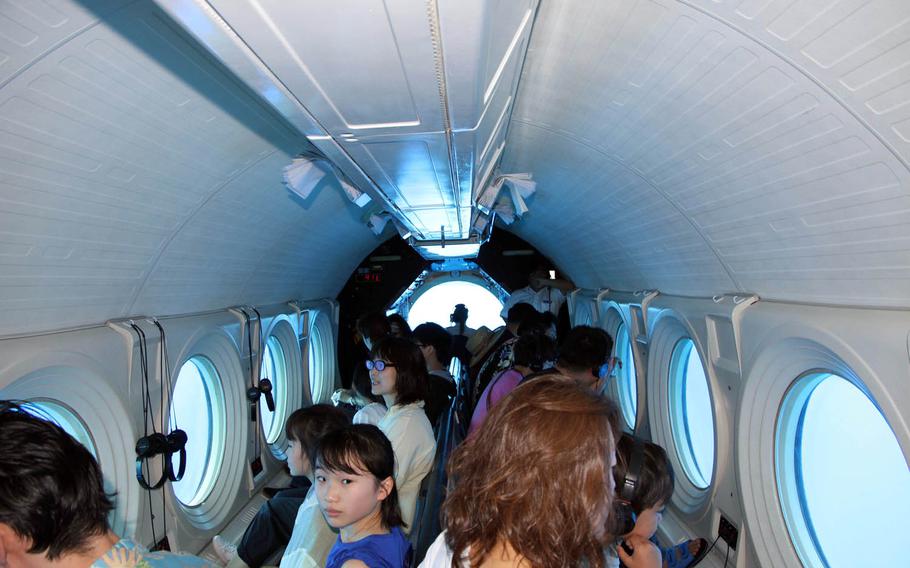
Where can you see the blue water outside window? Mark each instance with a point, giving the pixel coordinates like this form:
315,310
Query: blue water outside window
197,407
314,360
842,478
691,414
438,303
274,368
627,382
63,417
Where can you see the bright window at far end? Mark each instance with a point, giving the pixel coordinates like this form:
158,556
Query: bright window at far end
841,476
438,303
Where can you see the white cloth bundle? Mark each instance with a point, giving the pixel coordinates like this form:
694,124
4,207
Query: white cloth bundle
509,204
306,171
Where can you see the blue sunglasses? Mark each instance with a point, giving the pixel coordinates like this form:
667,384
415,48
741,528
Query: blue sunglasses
378,364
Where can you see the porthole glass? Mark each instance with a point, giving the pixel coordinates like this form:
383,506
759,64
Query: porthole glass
691,416
626,384
314,358
63,417
840,471
274,368
198,408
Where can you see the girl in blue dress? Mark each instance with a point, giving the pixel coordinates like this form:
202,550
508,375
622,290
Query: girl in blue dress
355,486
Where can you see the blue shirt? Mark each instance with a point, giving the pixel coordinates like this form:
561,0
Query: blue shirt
376,551
128,554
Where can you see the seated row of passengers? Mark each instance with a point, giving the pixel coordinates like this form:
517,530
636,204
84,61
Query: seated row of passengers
546,447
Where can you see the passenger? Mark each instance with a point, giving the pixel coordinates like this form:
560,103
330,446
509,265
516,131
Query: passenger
534,487
435,345
543,293
399,326
287,518
532,352
53,507
357,494
398,375
312,537
499,356
461,333
459,318
370,408
372,327
644,484
585,356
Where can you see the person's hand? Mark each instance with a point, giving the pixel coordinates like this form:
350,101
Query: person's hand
342,396
644,553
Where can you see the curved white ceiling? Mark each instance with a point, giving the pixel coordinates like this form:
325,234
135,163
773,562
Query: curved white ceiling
693,147
714,146
136,177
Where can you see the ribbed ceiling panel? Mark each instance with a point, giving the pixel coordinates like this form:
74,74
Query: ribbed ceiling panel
709,147
136,177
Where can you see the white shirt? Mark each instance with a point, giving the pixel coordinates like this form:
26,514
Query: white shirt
312,538
370,414
409,430
543,300
438,555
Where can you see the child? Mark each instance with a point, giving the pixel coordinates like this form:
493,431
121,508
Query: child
644,484
356,491
287,519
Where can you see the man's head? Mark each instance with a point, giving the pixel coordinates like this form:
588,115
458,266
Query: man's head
584,354
304,428
52,498
372,327
435,343
521,313
538,277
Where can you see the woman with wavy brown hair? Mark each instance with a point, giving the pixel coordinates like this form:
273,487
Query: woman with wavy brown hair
534,487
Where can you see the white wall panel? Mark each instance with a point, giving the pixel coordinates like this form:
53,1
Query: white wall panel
705,147
136,176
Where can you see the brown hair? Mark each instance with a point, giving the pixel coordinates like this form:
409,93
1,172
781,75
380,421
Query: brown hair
536,476
308,425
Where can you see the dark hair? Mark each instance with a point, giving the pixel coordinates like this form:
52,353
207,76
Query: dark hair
548,446
532,350
363,448
309,425
404,330
51,488
521,312
374,326
361,384
655,479
459,314
435,335
585,347
410,368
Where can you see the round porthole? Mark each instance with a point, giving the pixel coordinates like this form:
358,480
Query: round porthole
63,417
320,359
840,470
691,415
626,379
198,408
274,368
